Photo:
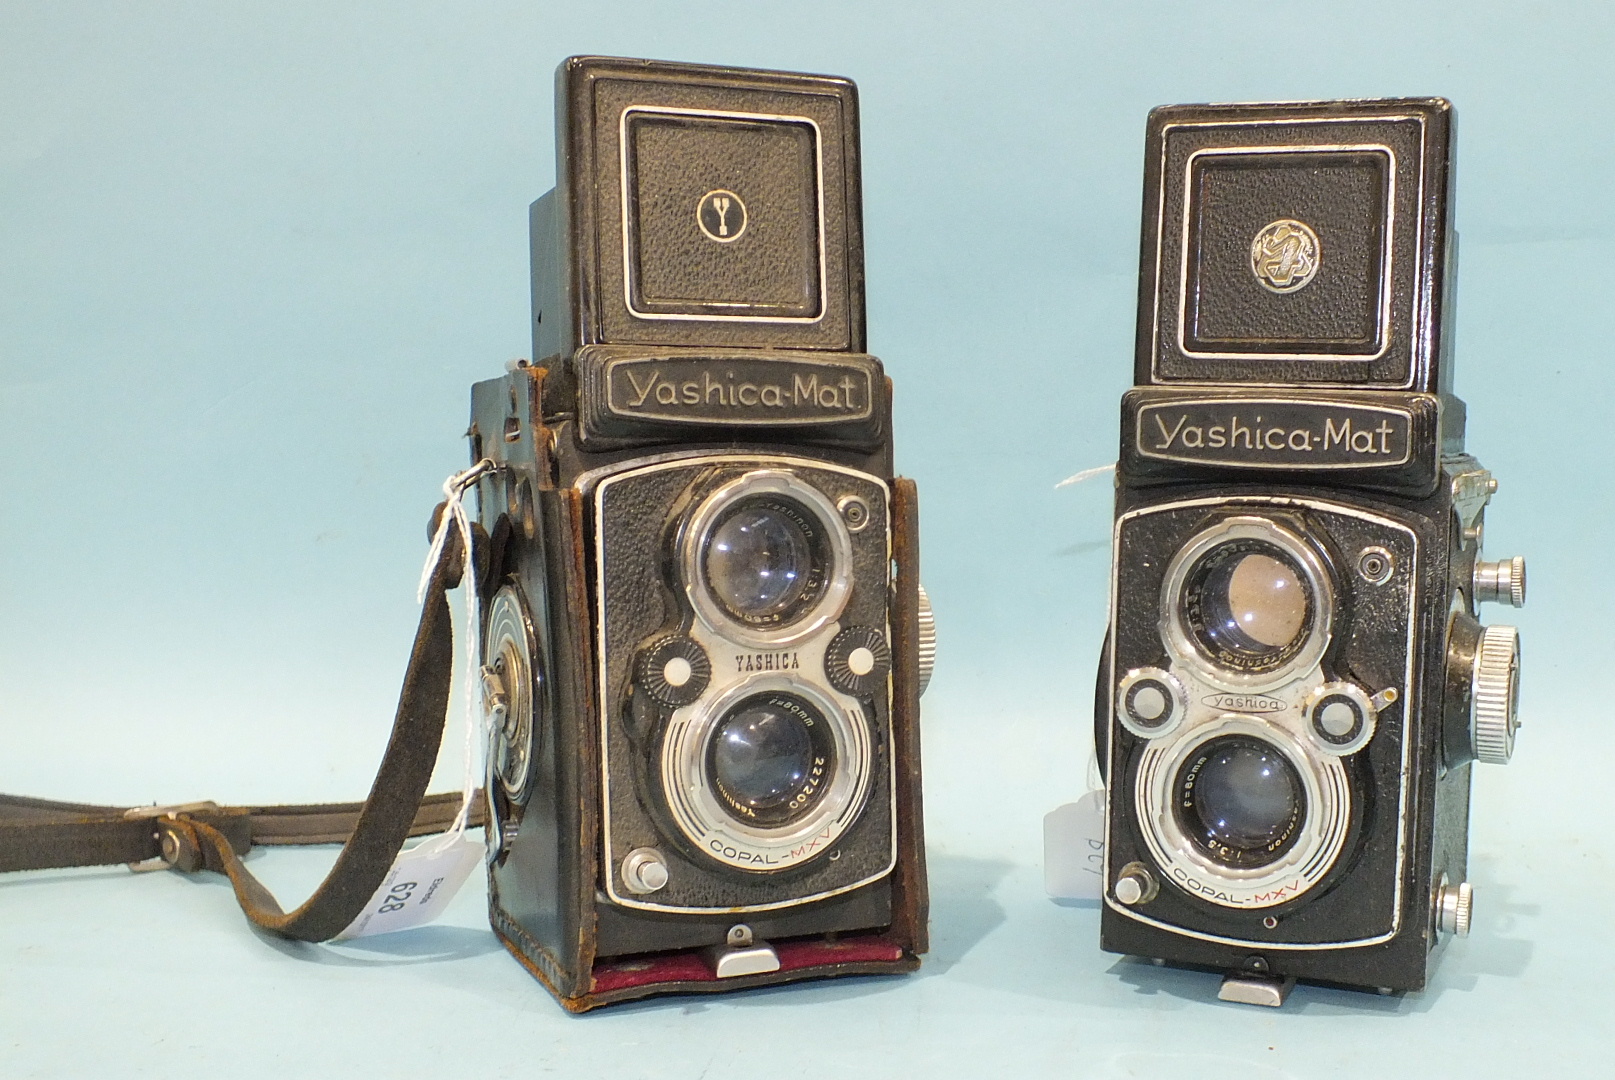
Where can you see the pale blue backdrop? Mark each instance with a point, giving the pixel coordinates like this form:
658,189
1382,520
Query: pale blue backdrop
252,255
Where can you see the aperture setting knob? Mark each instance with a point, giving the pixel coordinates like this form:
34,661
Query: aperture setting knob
1501,582
1495,694
674,671
927,640
1341,717
1150,702
858,661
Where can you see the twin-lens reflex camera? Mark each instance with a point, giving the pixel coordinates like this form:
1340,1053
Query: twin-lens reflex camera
705,638
1296,682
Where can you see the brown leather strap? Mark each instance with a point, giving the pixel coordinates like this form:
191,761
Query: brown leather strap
37,834
333,823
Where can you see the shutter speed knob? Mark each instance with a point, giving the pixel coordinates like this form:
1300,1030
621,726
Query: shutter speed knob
1495,694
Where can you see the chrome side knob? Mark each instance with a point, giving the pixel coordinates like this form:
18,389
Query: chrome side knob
927,640
1494,696
1501,582
1453,904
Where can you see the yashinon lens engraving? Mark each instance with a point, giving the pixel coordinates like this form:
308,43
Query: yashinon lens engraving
769,758
1241,801
1286,255
766,561
1247,605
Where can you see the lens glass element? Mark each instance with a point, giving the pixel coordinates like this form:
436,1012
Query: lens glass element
765,561
1241,801
770,758
1248,605
1266,601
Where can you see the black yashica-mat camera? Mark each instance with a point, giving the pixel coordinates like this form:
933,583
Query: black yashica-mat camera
1295,681
703,646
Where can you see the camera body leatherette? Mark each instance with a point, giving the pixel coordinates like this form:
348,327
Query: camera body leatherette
1293,375
698,321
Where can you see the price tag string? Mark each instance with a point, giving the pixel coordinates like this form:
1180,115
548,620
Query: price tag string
454,516
424,878
1086,474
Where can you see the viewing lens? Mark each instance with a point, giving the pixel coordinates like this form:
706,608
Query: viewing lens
765,561
1248,605
770,758
1241,801
1265,601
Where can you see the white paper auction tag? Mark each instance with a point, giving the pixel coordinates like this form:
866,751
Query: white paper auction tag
419,886
1074,849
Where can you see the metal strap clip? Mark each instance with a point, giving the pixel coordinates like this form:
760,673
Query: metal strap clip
179,851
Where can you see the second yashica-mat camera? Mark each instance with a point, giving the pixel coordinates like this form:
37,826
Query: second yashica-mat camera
1296,682
705,640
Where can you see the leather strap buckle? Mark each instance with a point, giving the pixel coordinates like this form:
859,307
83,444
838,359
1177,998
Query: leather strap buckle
180,850
207,806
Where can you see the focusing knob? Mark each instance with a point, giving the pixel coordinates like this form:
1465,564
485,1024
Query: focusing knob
674,671
1494,694
858,661
927,640
512,689
1501,582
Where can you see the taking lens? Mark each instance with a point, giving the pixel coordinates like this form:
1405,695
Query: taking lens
770,758
1248,605
766,560
1241,801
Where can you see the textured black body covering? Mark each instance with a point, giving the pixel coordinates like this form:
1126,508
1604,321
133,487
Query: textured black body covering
651,343
1366,341
1399,843
1379,202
